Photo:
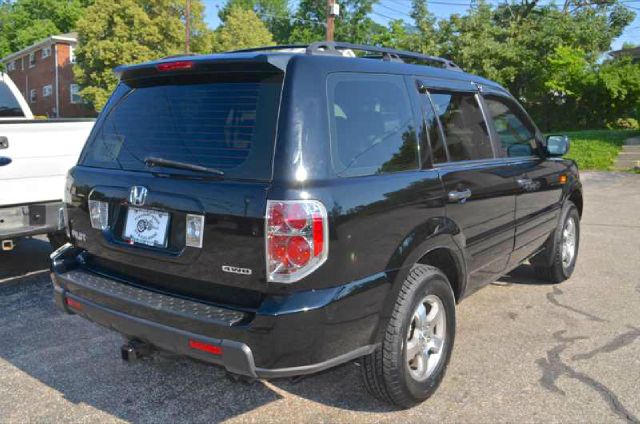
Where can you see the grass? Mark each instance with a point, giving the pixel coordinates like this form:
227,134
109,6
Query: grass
597,149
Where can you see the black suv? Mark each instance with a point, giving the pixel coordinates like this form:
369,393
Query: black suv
283,210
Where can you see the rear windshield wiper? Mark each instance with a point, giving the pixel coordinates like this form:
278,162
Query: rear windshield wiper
168,163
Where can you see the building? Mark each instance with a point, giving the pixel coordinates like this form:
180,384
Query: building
43,73
634,52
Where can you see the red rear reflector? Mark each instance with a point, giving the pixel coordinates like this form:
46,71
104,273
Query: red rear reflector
73,303
175,66
205,347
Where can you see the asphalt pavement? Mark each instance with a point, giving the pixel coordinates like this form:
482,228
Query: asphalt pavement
525,351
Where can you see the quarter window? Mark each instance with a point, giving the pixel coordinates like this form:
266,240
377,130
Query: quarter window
515,132
372,125
465,130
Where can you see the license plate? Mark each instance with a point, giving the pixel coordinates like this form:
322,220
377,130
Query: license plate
146,226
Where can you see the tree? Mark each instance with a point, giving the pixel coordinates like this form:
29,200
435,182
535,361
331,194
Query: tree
512,43
274,13
130,31
25,22
309,22
233,33
354,24
424,38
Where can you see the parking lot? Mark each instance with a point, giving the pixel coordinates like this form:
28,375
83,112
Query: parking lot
525,350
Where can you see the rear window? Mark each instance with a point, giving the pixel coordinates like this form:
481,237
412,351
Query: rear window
221,121
9,107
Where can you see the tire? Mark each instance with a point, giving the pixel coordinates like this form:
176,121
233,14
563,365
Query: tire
387,372
553,264
57,239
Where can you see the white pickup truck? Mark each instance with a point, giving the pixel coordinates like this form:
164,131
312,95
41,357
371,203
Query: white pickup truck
35,156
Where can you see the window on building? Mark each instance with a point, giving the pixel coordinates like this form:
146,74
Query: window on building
72,54
74,90
372,125
465,129
32,59
46,52
11,66
33,95
47,90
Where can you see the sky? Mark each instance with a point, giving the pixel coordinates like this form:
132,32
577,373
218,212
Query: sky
386,10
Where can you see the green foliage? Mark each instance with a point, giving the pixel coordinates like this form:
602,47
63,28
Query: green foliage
131,31
25,22
598,149
548,58
624,124
353,25
274,13
233,33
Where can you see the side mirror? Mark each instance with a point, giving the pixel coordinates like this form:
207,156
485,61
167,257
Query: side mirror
557,145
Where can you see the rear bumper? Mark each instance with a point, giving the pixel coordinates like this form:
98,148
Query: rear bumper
29,220
294,335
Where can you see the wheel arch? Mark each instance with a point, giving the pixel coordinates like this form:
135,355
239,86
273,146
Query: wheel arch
575,196
440,250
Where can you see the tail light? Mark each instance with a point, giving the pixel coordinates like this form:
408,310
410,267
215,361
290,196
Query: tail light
297,239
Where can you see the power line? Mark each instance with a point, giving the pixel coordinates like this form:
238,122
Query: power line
393,10
383,15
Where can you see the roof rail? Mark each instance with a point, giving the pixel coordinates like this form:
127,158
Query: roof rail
324,47
333,48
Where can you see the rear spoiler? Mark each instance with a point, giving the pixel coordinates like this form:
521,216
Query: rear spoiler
177,65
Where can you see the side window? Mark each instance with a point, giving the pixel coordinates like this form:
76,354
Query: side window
372,125
465,130
515,132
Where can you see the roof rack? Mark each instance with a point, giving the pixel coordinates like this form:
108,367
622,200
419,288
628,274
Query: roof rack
333,48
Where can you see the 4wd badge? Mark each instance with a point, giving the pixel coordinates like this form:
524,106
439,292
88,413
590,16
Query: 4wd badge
236,270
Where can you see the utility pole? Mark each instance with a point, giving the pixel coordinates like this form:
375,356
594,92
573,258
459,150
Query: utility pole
333,10
187,24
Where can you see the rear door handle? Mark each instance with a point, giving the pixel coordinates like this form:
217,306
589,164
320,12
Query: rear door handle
459,196
4,161
4,142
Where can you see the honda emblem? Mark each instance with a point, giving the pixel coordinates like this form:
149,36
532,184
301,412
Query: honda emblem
137,195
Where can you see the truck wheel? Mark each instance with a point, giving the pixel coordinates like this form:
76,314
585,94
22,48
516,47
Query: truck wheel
410,364
557,262
57,239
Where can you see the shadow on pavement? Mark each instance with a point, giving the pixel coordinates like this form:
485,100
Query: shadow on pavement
524,274
81,362
29,255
